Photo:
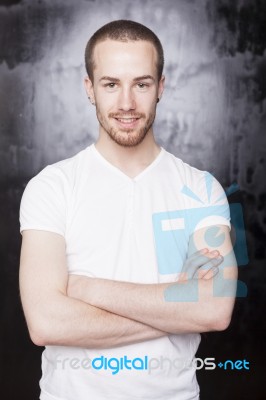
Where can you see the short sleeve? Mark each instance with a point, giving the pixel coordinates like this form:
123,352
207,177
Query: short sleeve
43,204
210,203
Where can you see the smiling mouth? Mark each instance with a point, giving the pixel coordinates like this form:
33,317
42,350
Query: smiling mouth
127,120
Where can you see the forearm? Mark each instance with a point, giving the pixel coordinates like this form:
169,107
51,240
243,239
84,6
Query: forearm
53,318
196,305
70,322
162,306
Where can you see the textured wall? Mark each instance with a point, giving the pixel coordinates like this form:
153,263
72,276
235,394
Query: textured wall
212,115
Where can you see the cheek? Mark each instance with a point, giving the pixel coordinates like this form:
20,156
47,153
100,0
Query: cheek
146,101
148,104
105,102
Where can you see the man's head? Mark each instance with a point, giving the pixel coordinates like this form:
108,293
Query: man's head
124,61
123,31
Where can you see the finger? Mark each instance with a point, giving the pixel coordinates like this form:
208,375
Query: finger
210,265
214,262
208,274
198,254
202,256
206,252
194,262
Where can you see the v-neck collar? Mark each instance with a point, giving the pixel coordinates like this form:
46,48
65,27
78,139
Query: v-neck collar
121,173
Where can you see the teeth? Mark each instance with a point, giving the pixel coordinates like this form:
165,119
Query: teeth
127,120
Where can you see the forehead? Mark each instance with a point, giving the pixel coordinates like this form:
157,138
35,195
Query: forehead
115,58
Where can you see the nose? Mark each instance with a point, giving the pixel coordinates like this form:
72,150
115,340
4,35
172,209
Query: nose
126,101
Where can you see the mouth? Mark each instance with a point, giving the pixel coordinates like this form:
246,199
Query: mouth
127,122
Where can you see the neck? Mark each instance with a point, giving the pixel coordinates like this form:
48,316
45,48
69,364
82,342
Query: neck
130,160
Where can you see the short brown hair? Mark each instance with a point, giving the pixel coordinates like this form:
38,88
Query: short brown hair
123,30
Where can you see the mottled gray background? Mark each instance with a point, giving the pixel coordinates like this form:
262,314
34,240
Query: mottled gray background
212,115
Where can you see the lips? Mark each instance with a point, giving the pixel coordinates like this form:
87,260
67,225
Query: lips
127,122
126,115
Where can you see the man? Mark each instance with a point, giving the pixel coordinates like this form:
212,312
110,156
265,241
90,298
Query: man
113,281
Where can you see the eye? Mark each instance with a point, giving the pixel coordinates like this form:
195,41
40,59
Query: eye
110,85
142,85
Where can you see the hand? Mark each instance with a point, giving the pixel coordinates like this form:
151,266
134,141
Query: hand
201,265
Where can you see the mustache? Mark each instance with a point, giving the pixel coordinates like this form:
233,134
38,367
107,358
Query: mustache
126,115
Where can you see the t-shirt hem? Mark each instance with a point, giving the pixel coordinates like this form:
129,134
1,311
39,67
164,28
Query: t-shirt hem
41,228
215,221
47,396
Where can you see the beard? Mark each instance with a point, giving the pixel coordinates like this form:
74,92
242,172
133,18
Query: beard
126,137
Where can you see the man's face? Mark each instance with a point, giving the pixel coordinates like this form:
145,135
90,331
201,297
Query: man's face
125,89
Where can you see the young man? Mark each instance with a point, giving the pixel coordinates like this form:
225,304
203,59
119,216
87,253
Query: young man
116,278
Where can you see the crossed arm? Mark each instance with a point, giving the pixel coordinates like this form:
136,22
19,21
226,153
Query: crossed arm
100,313
53,318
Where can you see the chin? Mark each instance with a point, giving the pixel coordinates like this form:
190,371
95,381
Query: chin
128,140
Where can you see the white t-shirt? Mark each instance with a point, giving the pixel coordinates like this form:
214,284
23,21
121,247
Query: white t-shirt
134,230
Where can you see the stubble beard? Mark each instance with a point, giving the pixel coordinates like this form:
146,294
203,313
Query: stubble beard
128,137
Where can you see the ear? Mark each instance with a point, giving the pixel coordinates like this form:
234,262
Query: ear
89,88
161,86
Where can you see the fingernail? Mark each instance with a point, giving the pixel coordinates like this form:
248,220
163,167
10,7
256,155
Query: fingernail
204,251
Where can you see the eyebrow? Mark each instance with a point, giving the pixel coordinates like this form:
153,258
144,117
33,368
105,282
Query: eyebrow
139,78
143,77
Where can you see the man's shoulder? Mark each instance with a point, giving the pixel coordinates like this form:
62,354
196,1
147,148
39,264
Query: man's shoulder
59,177
67,165
202,192
64,170
183,168
193,179
47,196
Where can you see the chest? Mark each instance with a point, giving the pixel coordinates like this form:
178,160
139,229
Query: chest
126,230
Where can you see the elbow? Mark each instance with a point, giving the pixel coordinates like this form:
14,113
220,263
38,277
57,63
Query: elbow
38,337
219,316
221,324
39,334
221,320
